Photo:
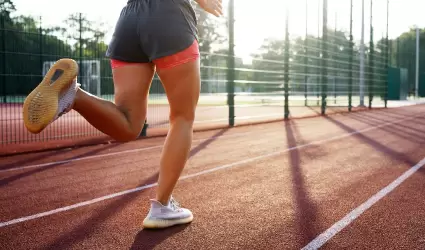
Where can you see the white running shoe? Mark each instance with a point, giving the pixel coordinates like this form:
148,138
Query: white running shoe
161,216
53,97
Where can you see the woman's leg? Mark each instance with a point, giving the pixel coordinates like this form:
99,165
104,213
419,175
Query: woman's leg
182,85
180,76
58,92
124,119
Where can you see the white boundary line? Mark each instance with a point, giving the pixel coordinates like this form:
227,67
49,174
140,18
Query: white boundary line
89,202
79,159
320,240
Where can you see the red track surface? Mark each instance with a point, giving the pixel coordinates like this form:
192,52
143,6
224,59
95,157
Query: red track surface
279,201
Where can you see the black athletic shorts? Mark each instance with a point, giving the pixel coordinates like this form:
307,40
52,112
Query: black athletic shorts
150,29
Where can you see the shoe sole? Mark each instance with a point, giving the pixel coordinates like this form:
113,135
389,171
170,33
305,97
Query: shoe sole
41,105
155,224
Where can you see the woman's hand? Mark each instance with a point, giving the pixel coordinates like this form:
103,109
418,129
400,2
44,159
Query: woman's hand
211,6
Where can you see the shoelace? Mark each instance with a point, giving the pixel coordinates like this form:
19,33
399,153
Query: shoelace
174,204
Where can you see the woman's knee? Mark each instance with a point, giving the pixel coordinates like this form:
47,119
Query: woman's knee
128,135
185,116
134,128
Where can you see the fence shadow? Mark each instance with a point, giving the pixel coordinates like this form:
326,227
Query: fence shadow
207,142
24,160
8,180
145,239
416,136
317,112
375,144
306,211
86,229
149,239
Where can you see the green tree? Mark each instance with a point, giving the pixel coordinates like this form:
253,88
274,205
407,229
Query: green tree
86,38
403,53
211,34
27,48
6,8
270,62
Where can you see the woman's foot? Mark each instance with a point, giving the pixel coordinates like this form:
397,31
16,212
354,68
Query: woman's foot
53,97
161,216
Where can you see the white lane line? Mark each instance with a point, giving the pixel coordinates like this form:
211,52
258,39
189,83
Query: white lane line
78,159
320,240
89,202
111,154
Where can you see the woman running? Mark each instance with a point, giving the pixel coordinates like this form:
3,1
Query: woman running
150,35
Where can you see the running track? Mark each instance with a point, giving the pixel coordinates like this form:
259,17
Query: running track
343,181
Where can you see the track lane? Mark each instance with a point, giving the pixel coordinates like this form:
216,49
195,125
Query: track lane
259,186
98,177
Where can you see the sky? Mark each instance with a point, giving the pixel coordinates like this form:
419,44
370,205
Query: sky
255,19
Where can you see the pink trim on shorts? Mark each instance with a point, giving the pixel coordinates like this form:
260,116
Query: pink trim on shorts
187,55
117,63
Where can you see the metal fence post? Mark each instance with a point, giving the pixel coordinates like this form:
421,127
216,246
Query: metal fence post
41,47
371,58
398,55
362,60
3,56
286,66
350,70
143,133
319,62
335,59
306,55
231,65
81,45
386,62
324,56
